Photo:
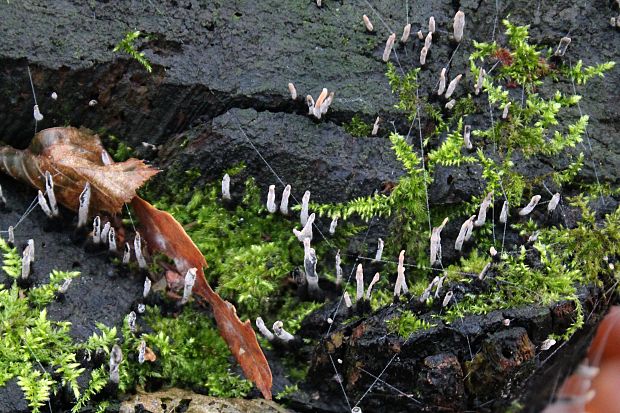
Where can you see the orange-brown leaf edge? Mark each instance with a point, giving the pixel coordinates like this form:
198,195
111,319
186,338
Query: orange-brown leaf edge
164,233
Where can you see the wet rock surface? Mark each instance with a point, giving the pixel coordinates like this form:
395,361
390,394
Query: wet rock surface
218,94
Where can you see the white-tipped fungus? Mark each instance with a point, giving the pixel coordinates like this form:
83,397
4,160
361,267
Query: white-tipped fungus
303,215
436,243
106,159
378,255
467,137
453,84
478,87
506,322
506,110
423,54
401,282
92,103
338,269
388,47
37,115
2,198
141,351
105,231
439,285
263,330
458,25
442,82
96,230
469,231
137,247
112,240
482,212
553,203
375,127
312,278
317,105
326,104
292,91
547,344
367,23
310,103
533,237
562,46
347,299
286,193
54,96
31,249
84,205
226,187
141,308
131,321
428,41
375,280
281,333
147,287
126,253
271,200
188,285
359,283
306,232
431,24
503,216
26,263
333,225
451,104
65,286
484,271
420,35
116,357
43,204
492,251
530,207
406,33
447,298
49,191
466,228
11,235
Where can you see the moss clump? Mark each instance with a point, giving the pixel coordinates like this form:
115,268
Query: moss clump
406,324
190,353
357,127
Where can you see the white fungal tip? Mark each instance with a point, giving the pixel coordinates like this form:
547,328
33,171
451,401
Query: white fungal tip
84,205
375,126
305,200
423,54
459,25
271,200
92,103
286,193
388,47
262,328
54,96
292,90
547,344
431,24
226,187
37,114
347,299
367,23
406,33
452,86
450,104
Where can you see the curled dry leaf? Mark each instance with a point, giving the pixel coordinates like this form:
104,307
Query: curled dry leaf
74,157
163,233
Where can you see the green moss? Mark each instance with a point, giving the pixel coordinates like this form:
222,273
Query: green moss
127,45
406,324
190,353
357,127
30,342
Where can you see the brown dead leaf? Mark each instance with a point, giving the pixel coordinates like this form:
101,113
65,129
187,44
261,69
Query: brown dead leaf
149,355
163,233
73,157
